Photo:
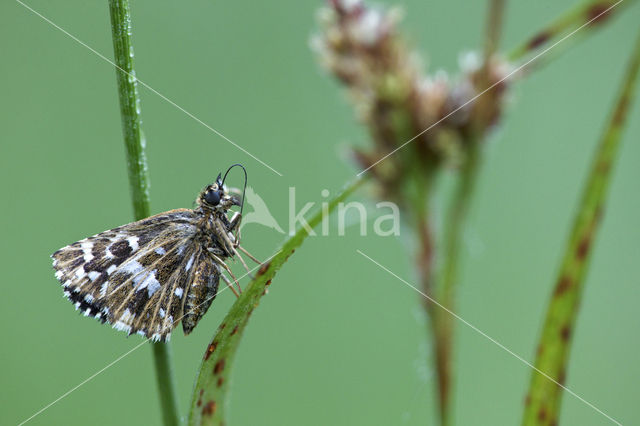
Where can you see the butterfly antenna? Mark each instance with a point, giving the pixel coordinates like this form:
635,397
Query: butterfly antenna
244,190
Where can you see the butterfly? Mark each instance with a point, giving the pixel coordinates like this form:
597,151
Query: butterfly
147,276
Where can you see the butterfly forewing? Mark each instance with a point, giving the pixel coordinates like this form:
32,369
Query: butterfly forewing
136,276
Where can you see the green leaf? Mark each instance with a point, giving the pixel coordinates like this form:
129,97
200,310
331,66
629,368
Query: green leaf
544,397
209,399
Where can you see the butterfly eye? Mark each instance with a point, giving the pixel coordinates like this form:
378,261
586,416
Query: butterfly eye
212,197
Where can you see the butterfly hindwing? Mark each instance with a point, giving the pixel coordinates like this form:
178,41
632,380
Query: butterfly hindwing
205,277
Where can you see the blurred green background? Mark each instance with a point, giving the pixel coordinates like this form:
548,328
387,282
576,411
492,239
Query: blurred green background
337,340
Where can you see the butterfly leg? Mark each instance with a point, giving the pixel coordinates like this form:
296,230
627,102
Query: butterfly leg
229,284
242,249
233,225
226,268
243,263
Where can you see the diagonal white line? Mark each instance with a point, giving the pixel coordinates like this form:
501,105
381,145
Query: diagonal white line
88,379
516,70
500,345
104,58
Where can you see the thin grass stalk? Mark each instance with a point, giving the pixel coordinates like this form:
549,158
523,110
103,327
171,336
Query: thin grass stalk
138,178
455,219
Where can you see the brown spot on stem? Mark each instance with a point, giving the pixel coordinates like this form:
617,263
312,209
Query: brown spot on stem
268,283
603,167
220,381
217,369
565,333
527,400
542,414
583,248
598,12
222,326
263,268
209,409
562,377
234,331
538,40
539,350
563,285
212,347
621,111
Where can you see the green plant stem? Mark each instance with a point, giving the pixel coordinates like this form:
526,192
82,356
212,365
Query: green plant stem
447,279
570,20
442,323
210,394
166,384
493,28
544,396
138,179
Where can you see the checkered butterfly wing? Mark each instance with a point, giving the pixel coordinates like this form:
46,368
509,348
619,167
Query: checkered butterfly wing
143,277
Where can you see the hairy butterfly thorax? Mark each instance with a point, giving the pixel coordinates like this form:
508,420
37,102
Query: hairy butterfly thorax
147,276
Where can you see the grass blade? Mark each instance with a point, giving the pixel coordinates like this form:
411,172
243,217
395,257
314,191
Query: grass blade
138,179
212,384
544,397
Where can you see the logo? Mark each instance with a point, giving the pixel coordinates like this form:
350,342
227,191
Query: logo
386,213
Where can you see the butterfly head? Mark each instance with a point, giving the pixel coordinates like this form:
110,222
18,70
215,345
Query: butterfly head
216,197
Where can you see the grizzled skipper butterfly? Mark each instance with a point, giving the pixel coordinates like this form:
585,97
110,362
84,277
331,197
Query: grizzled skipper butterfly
146,276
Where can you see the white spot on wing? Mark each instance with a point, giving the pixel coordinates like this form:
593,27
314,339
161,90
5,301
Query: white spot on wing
161,312
108,254
88,298
132,267
119,325
86,247
161,251
178,292
93,275
150,283
80,274
103,289
110,269
189,263
133,242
